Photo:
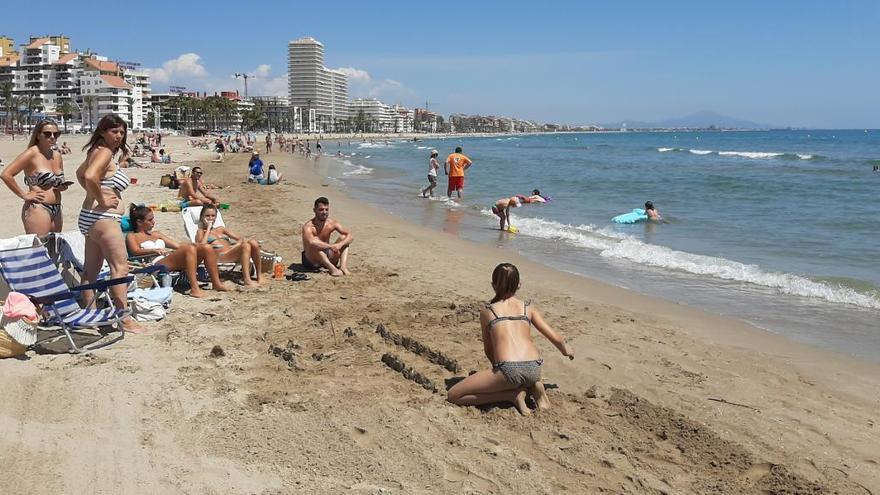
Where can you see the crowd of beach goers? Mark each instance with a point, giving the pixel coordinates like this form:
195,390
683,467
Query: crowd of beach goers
320,412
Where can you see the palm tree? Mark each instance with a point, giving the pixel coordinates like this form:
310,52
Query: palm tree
8,103
65,109
31,102
89,101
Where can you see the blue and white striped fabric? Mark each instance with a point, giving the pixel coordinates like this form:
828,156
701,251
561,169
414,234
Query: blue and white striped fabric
31,272
92,317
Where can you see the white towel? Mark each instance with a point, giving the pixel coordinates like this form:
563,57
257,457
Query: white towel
24,240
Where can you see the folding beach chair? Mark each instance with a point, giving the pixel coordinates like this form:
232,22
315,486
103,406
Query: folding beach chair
31,272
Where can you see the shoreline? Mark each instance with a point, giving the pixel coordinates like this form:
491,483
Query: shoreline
334,418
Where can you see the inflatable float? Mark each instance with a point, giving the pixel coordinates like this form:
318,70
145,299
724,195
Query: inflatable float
635,216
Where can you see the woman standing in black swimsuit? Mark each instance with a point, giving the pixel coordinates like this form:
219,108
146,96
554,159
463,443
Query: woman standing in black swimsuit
44,176
506,323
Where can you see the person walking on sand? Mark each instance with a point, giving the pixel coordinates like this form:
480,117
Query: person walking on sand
43,170
454,167
318,251
433,167
268,142
506,324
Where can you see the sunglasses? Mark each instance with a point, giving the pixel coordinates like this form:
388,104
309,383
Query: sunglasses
48,134
197,172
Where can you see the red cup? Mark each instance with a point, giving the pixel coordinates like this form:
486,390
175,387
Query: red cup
134,180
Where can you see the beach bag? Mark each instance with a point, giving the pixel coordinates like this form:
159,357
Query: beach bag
9,347
20,319
146,310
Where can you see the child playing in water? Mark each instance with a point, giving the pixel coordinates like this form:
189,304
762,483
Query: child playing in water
502,206
506,324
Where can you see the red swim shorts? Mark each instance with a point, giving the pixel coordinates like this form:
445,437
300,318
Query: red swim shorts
456,183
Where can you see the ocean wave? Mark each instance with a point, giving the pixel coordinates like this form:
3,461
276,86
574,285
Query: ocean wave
615,245
754,155
421,147
356,169
374,145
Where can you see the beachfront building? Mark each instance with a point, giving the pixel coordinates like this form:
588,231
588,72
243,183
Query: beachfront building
279,114
427,121
371,115
52,80
102,94
322,93
403,118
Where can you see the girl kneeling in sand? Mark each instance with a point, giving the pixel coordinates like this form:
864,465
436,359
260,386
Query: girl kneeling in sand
144,241
516,365
230,246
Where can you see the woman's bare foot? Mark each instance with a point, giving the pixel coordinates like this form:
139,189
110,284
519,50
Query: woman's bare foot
196,292
131,326
336,272
251,283
345,271
540,396
520,402
220,287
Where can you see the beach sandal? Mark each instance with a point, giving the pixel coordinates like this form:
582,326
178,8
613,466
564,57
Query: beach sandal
298,276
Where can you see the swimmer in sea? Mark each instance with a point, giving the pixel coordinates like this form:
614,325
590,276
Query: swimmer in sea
652,212
502,206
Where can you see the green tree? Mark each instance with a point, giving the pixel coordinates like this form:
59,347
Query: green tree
8,101
66,110
89,102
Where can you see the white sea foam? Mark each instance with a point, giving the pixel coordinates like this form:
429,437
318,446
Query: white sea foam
751,154
421,147
374,145
701,152
615,245
804,156
356,169
664,150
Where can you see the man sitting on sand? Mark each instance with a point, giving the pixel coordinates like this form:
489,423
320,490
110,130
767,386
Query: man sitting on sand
193,190
317,249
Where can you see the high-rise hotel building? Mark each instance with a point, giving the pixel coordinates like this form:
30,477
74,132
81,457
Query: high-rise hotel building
314,88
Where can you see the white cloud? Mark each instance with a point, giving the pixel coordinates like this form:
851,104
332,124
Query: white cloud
362,84
274,86
356,76
186,66
262,70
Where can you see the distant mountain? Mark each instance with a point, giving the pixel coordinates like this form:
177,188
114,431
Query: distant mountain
702,119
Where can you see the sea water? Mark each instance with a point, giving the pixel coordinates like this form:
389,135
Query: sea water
778,228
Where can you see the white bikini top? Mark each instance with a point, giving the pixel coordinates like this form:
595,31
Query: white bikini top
151,244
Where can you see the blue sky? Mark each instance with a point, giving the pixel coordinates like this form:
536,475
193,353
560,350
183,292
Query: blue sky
807,63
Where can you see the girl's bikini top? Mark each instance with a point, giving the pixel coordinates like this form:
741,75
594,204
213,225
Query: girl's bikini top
523,317
44,179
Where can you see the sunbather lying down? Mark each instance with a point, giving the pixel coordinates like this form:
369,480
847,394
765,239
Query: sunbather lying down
182,257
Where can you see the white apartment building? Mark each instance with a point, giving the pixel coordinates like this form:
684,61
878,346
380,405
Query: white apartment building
45,71
314,88
403,118
378,117
102,94
50,72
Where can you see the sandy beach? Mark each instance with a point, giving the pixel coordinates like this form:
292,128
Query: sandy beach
661,398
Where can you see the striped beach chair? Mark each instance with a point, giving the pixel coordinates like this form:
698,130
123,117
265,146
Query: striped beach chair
31,272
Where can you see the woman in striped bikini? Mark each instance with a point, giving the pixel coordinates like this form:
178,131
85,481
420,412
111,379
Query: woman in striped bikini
43,170
102,208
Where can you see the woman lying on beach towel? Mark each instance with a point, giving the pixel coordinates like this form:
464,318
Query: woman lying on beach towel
506,323
178,257
230,246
